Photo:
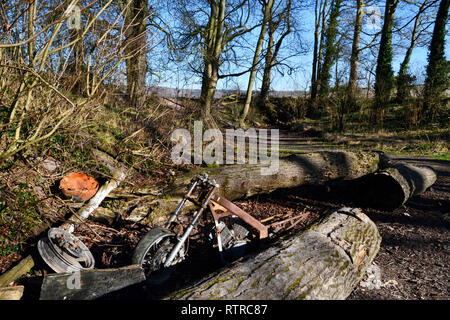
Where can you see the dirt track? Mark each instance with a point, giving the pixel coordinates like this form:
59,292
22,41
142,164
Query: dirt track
415,250
414,257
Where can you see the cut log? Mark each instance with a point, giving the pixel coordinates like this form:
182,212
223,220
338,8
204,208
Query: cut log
243,181
326,261
90,284
20,269
391,187
11,293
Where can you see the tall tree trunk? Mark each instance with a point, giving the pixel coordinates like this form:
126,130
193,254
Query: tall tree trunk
136,24
330,49
438,68
209,84
265,86
317,60
76,66
273,49
213,50
384,78
267,11
354,58
404,79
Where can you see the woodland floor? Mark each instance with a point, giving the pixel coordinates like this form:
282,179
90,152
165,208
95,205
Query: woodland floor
413,258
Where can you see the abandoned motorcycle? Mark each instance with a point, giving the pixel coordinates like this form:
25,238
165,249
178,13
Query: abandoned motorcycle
161,249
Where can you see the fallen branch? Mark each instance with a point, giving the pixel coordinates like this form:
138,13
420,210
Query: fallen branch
20,269
11,293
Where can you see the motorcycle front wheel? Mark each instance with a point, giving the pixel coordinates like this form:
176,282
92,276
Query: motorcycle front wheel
152,252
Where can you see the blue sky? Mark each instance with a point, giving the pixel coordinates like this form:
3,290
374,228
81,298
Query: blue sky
300,79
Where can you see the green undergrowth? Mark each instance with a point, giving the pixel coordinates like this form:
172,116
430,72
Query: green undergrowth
19,216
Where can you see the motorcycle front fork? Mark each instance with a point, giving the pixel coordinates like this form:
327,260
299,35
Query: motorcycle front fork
191,226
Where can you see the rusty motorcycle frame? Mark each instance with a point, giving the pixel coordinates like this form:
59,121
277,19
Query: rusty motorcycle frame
161,249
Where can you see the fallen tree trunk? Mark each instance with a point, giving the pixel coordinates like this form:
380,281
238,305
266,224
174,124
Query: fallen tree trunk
242,181
391,187
90,284
324,262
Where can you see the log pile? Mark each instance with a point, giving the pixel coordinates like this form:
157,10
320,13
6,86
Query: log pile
150,203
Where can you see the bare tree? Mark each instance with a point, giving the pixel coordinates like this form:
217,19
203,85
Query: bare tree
420,23
384,79
280,22
40,107
354,58
206,37
322,11
267,12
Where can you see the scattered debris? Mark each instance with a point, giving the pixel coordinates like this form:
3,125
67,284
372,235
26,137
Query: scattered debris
95,202
79,186
50,165
63,252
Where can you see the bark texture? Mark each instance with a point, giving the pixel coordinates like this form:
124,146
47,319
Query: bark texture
354,58
11,293
325,262
136,24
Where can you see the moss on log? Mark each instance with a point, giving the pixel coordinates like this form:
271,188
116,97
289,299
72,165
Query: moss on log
324,262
